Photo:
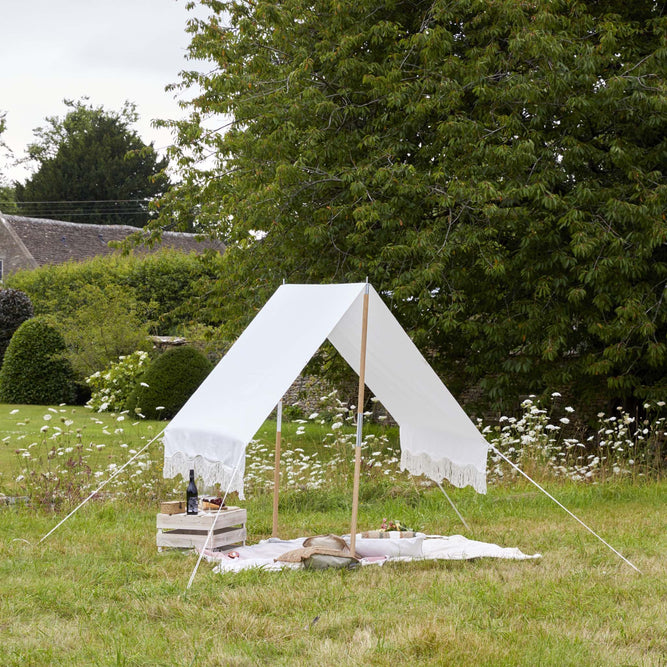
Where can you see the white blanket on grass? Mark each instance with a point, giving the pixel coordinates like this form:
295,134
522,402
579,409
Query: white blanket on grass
433,547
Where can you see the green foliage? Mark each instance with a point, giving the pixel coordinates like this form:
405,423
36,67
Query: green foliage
111,387
94,167
15,308
168,383
104,324
35,370
497,170
170,287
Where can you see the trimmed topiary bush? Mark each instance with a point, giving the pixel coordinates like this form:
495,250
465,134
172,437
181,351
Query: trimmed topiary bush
168,382
15,308
35,370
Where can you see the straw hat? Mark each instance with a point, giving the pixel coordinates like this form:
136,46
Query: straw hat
325,545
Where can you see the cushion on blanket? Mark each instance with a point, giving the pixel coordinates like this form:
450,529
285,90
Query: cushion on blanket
391,547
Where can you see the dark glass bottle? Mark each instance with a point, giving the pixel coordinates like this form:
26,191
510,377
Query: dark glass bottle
191,495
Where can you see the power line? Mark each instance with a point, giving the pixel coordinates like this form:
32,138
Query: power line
81,207
74,201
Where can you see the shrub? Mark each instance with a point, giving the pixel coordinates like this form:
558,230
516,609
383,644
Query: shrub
15,308
165,285
111,387
168,383
106,325
35,370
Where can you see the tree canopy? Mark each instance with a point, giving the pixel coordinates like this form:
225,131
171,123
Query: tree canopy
92,167
496,168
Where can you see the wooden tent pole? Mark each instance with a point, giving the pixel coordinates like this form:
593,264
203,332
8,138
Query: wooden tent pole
276,471
360,422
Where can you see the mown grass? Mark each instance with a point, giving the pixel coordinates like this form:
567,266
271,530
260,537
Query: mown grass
97,592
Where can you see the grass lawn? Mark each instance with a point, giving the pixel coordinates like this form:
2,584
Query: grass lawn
98,593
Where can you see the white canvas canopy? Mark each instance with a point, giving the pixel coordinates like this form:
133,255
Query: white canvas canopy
212,430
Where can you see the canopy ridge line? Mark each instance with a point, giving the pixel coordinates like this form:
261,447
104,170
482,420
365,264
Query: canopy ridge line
451,502
576,518
360,421
102,485
215,519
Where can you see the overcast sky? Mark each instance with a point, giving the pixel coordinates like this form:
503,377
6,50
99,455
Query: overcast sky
108,50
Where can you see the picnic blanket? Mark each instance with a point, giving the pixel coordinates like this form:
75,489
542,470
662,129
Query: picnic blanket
371,551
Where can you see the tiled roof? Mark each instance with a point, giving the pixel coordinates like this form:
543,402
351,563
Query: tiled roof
55,242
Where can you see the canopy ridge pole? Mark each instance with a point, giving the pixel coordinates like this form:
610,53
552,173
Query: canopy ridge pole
451,502
590,530
103,484
276,471
360,422
215,519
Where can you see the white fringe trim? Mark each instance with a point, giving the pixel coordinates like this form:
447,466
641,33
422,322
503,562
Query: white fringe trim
423,464
208,473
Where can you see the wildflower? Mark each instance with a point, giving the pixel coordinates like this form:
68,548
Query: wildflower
569,409
44,429
47,418
315,415
564,420
13,412
143,384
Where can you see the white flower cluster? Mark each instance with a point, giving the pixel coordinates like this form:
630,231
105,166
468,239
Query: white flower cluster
112,386
620,446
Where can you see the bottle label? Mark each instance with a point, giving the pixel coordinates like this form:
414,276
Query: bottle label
193,505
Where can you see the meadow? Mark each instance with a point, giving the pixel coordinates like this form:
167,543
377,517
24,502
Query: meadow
97,592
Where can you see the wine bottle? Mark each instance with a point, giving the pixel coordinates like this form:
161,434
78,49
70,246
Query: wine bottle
191,495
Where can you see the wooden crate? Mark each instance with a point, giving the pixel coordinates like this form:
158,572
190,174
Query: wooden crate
186,531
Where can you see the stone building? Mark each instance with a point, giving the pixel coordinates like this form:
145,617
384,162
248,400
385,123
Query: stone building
27,243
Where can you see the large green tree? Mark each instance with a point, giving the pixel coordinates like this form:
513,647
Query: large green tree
496,168
92,167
